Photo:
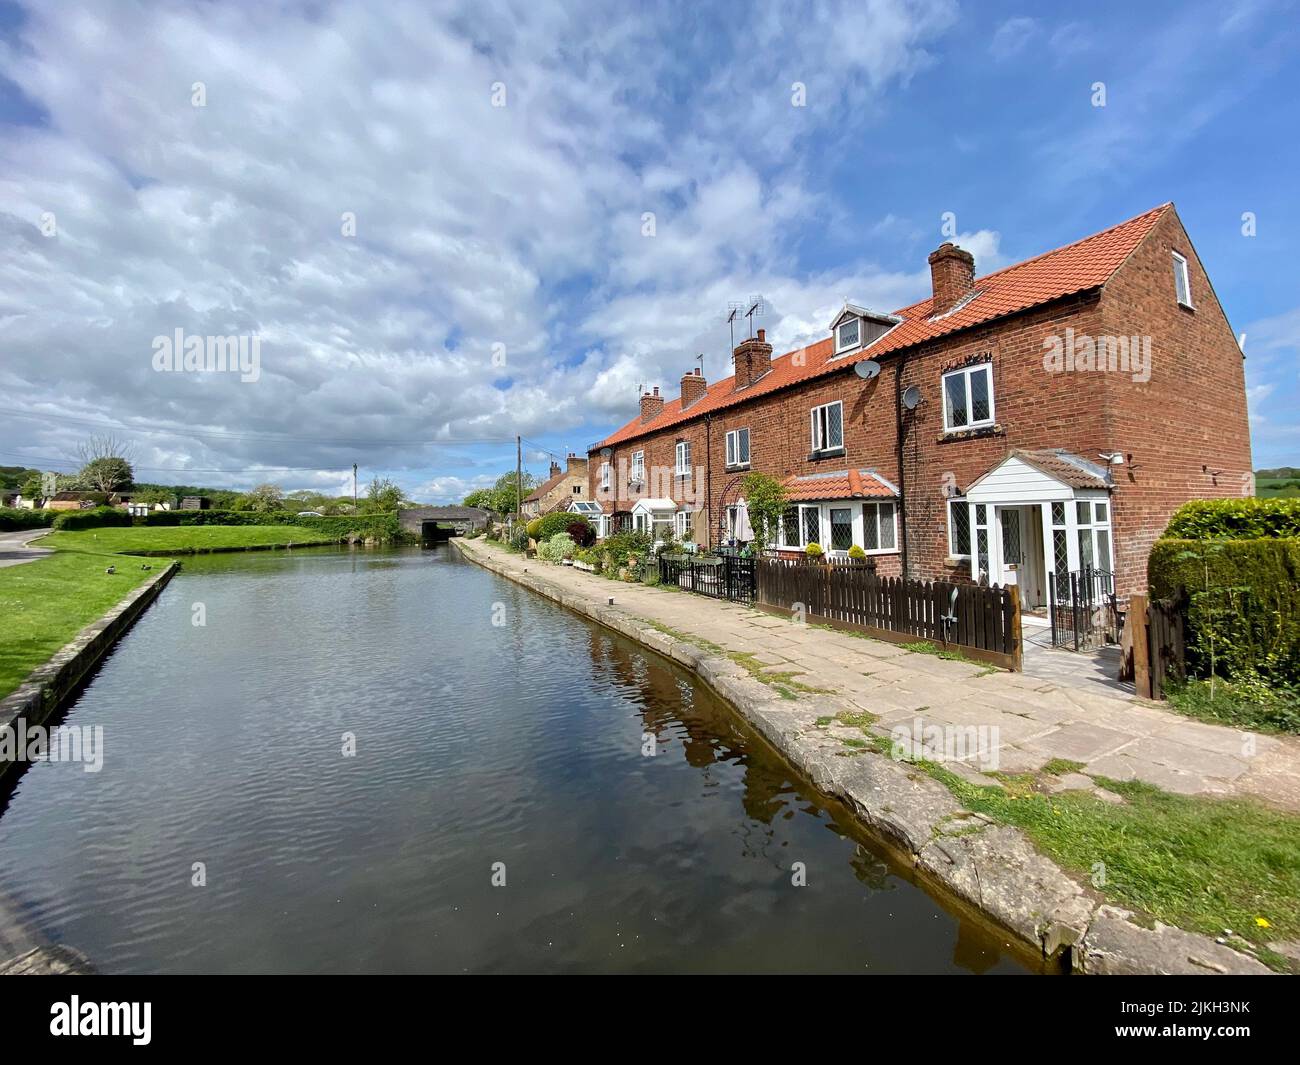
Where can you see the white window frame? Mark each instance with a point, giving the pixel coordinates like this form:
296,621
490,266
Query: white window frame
1182,280
820,428
682,523
967,372
637,476
841,348
682,456
734,460
953,503
605,471
893,513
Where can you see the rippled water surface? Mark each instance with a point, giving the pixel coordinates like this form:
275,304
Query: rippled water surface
476,744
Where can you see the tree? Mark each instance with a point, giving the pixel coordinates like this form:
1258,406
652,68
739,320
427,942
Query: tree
480,497
105,464
505,494
765,501
382,497
264,497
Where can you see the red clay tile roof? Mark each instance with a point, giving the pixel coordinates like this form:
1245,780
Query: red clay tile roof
1077,267
843,484
545,487
1069,469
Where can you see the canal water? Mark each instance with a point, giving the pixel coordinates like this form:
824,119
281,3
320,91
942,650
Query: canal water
497,736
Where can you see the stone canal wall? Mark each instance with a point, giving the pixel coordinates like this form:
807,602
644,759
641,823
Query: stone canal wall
45,690
987,868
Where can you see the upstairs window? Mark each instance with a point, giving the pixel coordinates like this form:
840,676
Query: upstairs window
604,476
738,447
638,467
1182,282
848,335
968,397
828,427
683,458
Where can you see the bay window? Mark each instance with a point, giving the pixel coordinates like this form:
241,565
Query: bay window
878,527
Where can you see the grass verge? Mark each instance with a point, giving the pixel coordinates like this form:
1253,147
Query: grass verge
45,604
183,539
1249,706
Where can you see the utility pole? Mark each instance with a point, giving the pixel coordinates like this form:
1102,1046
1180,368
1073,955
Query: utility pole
519,475
354,488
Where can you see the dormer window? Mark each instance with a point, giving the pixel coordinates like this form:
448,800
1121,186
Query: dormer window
857,328
849,334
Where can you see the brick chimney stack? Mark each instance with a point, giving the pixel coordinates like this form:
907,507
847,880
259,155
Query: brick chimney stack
952,273
752,358
652,405
693,387
555,470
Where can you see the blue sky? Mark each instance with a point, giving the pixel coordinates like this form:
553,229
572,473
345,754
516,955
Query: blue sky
500,278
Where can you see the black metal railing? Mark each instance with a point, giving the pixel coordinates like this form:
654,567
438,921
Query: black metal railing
728,577
1082,608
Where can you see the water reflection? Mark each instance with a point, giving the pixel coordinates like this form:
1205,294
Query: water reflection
477,744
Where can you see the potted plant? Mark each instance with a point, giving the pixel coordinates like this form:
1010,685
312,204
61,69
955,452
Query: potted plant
814,553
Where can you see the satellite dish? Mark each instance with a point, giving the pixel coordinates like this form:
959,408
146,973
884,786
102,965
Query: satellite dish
605,452
867,369
911,397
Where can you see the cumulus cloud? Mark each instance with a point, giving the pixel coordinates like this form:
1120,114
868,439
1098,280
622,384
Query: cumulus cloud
420,265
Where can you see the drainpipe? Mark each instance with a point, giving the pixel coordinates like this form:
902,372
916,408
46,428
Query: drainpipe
898,433
708,478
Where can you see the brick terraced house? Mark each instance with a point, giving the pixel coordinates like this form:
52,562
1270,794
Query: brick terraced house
1029,422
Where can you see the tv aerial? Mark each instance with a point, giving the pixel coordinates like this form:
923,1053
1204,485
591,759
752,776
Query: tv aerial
867,369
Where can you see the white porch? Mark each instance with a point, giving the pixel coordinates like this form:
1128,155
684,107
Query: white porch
1039,515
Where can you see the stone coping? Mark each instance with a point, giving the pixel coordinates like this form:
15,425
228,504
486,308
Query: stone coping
46,688
990,868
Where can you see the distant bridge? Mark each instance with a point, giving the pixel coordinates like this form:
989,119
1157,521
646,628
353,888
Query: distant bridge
437,523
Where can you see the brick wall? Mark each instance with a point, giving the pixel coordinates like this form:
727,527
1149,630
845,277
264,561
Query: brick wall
1191,413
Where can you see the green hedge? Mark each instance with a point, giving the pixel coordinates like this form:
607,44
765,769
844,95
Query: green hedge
557,522
1244,603
13,518
99,518
376,526
1235,519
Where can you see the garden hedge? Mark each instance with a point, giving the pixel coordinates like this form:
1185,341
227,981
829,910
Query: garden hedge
13,518
377,526
557,522
1244,601
99,518
1235,519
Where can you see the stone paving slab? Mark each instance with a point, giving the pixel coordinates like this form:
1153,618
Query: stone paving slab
1038,719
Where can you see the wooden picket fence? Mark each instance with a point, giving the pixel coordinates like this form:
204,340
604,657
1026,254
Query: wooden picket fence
1159,651
983,623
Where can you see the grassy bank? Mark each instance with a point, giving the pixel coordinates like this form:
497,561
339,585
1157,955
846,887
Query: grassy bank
47,602
1206,865
184,539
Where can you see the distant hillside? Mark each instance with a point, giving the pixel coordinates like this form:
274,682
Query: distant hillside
1280,483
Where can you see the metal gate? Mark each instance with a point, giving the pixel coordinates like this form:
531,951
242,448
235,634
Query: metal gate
1083,609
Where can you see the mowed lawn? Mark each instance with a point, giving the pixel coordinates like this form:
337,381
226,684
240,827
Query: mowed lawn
182,539
45,604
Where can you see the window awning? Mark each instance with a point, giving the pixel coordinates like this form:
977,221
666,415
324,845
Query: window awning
842,484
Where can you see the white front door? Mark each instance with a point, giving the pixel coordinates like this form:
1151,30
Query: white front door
1009,555
1017,555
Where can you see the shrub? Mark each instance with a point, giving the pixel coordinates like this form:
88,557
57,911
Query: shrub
558,522
519,538
856,552
534,528
99,518
581,532
1243,610
14,518
559,546
1235,519
814,551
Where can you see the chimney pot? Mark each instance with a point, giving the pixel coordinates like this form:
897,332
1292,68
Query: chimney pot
952,276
